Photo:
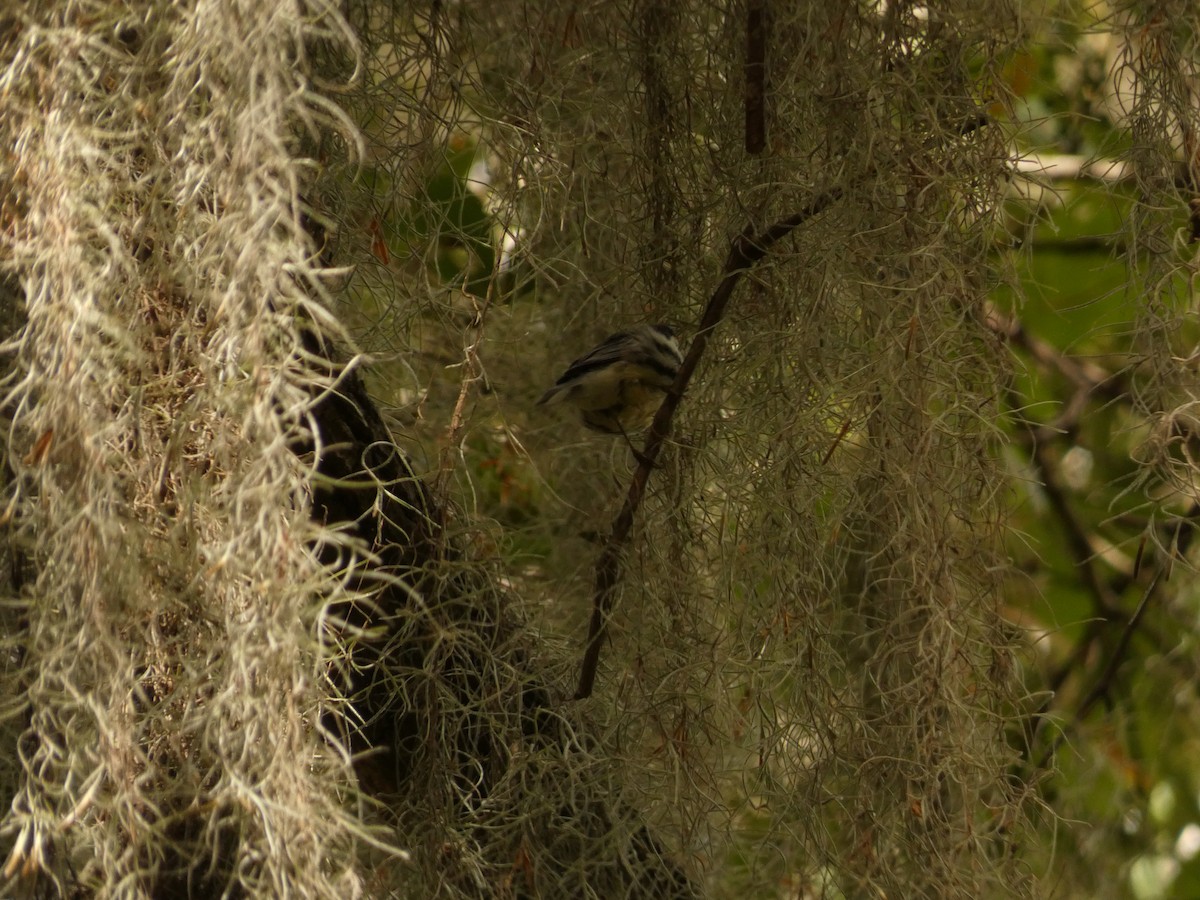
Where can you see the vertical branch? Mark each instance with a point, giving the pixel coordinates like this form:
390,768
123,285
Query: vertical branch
756,75
664,258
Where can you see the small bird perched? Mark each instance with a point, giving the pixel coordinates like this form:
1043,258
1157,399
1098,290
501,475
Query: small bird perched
619,385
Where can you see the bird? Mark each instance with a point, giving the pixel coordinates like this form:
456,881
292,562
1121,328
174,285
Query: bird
619,384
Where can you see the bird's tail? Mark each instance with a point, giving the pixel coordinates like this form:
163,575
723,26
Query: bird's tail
555,393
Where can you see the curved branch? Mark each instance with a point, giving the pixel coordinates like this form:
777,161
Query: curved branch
745,250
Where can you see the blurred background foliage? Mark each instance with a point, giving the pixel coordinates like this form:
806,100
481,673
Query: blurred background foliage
1114,718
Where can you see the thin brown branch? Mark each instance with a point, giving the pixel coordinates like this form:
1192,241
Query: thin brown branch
744,252
1104,683
1079,542
1090,381
756,75
1081,373
472,374
1180,543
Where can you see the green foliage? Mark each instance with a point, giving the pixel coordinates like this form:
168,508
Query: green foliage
1077,480
448,224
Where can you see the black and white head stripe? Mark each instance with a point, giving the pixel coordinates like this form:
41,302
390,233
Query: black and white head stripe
666,347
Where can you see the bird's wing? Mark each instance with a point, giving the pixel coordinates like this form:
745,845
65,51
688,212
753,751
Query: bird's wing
605,354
